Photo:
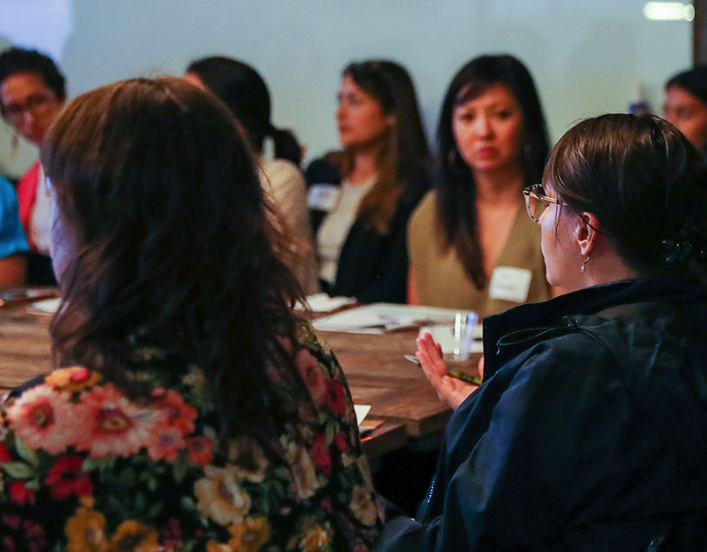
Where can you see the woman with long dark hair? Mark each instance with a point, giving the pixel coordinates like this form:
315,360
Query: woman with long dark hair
588,431
470,244
245,93
190,409
362,197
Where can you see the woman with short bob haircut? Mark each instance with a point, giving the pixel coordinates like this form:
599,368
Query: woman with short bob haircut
361,198
470,231
588,431
191,408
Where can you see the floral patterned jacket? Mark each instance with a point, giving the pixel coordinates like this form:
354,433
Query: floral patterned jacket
85,469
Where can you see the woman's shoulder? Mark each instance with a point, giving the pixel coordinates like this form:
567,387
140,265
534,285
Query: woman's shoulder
326,169
6,191
311,347
282,176
281,167
424,214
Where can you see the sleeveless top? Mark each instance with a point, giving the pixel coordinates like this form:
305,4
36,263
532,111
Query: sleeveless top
518,277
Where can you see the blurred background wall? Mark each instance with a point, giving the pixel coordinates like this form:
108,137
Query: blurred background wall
587,57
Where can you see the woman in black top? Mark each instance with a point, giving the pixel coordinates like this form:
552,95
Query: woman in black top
361,197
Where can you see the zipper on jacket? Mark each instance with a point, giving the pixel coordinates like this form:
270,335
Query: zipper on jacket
422,511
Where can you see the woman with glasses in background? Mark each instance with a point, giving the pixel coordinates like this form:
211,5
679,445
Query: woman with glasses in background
470,244
686,104
32,92
588,431
361,198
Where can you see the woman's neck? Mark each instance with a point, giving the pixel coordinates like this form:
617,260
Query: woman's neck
365,163
606,269
500,187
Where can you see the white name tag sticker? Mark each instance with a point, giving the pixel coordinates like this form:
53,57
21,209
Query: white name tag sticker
323,197
510,284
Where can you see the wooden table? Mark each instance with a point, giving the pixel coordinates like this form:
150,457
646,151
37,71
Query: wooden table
379,375
375,367
25,347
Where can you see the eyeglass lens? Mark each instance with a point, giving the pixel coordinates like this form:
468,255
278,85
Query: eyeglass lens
34,104
537,206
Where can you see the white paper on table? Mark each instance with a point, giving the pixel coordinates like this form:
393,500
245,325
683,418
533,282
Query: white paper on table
383,317
444,335
321,302
362,411
48,306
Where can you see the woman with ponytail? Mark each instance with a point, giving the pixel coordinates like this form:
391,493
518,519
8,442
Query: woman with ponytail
245,93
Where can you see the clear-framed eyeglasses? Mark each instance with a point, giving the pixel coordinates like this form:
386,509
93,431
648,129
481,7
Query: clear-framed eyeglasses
536,201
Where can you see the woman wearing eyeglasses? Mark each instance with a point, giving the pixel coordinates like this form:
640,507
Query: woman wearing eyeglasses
588,431
32,92
686,104
471,245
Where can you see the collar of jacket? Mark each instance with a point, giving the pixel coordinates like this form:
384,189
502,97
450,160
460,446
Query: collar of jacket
508,333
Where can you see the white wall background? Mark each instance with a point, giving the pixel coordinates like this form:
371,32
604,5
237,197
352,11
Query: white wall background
587,56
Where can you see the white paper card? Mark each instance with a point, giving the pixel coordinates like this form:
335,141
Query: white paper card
362,411
323,197
383,317
48,306
510,284
321,302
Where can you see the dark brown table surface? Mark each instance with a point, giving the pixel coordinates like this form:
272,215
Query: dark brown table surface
379,375
375,367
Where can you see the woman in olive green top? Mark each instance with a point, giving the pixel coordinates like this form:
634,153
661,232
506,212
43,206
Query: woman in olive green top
470,244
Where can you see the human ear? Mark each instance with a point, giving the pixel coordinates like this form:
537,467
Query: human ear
586,231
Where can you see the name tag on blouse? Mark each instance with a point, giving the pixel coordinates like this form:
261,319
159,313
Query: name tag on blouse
510,284
323,197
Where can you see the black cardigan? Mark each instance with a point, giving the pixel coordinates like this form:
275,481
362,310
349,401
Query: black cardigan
373,267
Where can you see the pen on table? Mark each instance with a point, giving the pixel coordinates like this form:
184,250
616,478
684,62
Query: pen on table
463,376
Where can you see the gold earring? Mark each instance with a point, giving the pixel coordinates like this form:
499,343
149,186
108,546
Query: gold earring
585,261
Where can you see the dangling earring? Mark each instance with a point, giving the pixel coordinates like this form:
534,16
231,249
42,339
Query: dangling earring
14,144
581,268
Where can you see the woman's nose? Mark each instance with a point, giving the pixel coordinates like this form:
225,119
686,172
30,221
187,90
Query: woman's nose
482,126
28,118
